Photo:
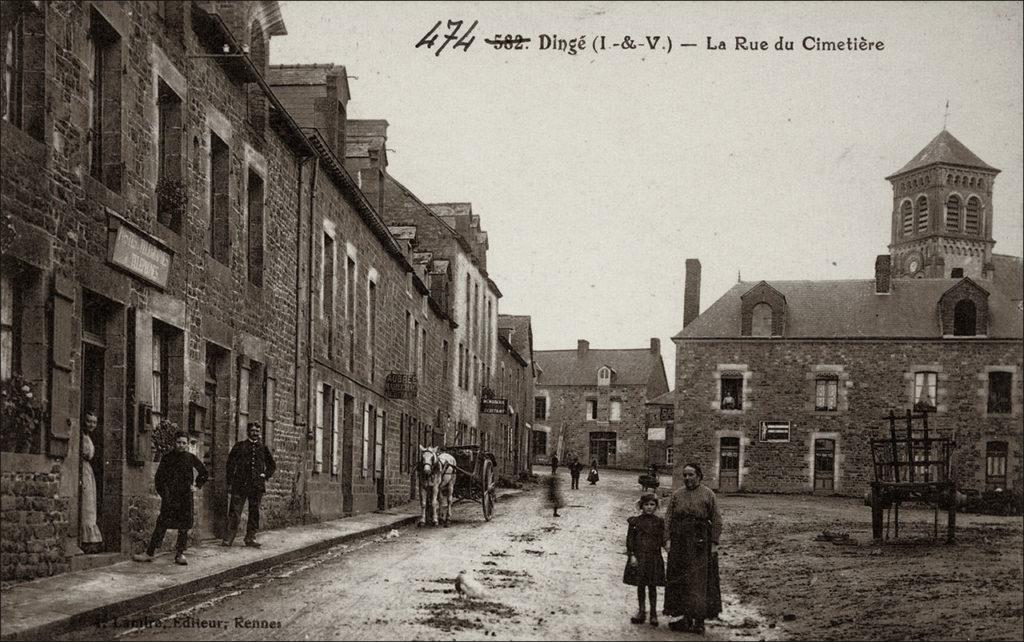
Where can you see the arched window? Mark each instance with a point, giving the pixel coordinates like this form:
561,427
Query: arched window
761,320
972,220
604,376
907,215
965,319
953,213
922,214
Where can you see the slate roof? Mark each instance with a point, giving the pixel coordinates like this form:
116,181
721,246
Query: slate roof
944,148
566,368
837,309
1009,275
667,399
520,324
314,74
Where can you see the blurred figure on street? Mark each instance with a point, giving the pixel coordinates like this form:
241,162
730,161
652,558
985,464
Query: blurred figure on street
554,494
554,464
645,567
593,476
692,592
174,479
250,465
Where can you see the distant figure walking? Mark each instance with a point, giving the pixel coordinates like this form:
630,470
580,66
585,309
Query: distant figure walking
554,464
645,567
593,476
575,468
554,494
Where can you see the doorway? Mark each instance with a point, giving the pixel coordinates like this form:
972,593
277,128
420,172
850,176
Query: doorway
729,465
824,464
602,448
102,390
378,462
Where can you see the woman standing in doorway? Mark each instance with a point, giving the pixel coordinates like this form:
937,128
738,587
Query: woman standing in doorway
692,592
89,531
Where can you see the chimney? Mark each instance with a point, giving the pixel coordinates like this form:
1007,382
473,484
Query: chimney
691,292
655,345
883,274
582,346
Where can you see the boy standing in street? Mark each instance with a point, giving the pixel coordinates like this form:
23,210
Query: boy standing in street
174,485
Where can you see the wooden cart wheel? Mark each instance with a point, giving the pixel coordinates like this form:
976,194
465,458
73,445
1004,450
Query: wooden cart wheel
487,481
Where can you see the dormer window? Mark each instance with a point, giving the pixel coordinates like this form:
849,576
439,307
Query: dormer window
763,312
761,320
604,376
965,319
964,311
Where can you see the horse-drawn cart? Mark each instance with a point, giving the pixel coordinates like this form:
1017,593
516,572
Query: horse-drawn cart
474,479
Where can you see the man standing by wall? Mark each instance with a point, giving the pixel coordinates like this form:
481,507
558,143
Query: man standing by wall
250,465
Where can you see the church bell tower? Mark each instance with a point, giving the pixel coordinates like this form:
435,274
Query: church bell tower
942,213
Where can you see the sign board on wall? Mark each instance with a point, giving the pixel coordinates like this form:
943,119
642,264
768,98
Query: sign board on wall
656,434
493,406
134,253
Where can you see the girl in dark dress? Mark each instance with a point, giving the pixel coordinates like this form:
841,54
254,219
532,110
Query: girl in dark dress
645,567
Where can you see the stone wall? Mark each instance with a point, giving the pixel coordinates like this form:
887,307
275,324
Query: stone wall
566,416
873,375
33,518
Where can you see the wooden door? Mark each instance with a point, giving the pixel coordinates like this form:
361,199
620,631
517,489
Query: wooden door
729,465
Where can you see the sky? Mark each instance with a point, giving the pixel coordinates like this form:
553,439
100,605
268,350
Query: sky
596,175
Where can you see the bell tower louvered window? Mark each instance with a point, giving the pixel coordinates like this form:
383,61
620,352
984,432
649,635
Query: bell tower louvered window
907,215
972,221
953,213
922,214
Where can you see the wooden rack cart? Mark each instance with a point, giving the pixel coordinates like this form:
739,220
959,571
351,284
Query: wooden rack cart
474,478
912,465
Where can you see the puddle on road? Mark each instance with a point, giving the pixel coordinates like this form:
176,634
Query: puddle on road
455,615
739,621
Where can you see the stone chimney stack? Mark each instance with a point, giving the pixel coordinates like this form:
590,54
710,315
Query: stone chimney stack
582,347
655,345
883,274
691,292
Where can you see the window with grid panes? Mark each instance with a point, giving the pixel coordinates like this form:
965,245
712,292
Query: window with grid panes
826,393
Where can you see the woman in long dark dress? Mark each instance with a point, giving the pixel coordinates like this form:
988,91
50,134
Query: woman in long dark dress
692,592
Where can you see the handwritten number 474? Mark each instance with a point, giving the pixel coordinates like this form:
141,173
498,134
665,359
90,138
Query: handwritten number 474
464,41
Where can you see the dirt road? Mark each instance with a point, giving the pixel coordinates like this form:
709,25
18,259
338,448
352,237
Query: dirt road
560,578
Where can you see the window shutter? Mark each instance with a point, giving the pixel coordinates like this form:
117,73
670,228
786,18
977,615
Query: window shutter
62,405
241,434
141,332
318,442
334,434
269,403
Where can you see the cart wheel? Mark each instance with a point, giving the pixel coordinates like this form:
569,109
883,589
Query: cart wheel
487,480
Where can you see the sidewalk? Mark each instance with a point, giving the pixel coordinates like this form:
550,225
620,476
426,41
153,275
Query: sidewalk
47,607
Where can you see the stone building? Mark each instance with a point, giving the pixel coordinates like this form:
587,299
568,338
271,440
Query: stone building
508,433
374,367
591,403
780,385
661,430
447,240
150,183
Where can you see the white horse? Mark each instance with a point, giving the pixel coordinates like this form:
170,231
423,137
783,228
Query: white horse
437,477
